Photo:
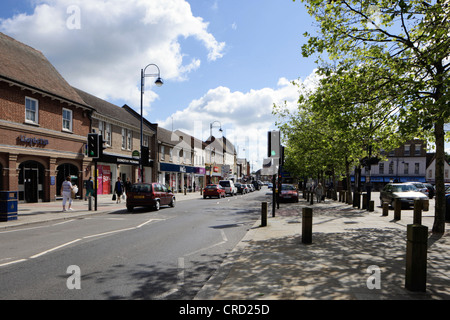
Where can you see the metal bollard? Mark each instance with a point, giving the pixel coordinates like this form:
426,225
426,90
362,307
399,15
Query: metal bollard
385,209
416,257
90,203
307,225
264,214
371,206
418,211
397,209
364,200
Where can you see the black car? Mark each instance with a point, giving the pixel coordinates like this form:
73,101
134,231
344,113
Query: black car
241,188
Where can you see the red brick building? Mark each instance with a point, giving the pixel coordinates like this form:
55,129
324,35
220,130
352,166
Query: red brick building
43,125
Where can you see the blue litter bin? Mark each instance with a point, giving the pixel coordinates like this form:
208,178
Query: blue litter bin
8,205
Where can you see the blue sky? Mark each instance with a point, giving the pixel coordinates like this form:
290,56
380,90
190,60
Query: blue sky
221,60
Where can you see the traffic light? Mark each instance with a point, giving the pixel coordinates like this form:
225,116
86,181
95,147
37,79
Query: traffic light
101,145
145,156
93,145
274,147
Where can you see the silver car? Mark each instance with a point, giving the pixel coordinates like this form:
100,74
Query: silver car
420,186
407,193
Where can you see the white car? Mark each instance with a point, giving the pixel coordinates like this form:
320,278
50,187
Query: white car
229,187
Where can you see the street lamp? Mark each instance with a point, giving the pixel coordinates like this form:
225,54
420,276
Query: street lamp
210,147
159,82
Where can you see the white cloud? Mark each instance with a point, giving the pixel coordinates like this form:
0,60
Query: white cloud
245,116
101,47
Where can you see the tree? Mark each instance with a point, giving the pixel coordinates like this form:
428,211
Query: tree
407,42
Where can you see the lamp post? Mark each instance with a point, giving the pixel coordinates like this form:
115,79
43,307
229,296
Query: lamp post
210,147
159,82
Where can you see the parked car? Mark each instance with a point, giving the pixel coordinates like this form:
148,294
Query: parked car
152,195
407,193
289,192
447,189
420,186
229,187
241,188
250,187
213,190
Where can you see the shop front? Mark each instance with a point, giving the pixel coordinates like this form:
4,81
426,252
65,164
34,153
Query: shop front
179,177
110,167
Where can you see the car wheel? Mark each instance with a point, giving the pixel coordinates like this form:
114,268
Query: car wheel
204,197
157,205
172,203
130,208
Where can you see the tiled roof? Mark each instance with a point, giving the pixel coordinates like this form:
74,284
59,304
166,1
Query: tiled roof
28,67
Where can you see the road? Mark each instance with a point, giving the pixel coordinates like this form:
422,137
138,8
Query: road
166,254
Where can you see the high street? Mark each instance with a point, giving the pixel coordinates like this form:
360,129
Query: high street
166,254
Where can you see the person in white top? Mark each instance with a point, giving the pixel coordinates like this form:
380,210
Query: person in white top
66,191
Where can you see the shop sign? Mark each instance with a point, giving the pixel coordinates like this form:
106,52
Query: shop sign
32,141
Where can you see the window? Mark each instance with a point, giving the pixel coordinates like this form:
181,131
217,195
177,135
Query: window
67,119
407,151
406,168
417,151
416,168
107,136
391,167
105,130
31,110
124,138
162,152
381,168
129,139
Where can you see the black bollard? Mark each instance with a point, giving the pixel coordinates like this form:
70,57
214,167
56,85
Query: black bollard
264,214
385,209
397,209
417,212
307,225
416,257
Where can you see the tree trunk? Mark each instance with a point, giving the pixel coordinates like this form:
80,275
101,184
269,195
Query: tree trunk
439,213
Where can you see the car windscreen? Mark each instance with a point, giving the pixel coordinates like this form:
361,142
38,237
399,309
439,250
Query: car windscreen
403,188
224,183
141,188
287,187
211,187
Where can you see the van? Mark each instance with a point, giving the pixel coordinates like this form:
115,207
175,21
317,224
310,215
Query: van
229,187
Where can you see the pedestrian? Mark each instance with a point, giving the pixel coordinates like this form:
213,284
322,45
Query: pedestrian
66,192
319,192
118,190
127,186
89,188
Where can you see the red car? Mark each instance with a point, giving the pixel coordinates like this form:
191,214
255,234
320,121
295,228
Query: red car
289,192
214,190
149,195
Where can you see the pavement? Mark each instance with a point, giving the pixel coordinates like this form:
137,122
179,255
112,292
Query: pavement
351,251
354,254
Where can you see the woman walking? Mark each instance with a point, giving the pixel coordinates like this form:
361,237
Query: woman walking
66,192
118,190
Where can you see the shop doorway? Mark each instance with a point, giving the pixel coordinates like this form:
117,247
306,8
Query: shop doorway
31,181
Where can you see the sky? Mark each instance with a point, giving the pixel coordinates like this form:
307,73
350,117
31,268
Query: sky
223,62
